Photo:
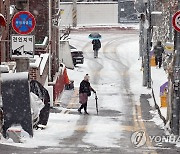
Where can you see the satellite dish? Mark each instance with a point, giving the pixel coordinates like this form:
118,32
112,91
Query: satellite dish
140,6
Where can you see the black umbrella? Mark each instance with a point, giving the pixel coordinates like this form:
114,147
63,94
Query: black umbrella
95,36
96,98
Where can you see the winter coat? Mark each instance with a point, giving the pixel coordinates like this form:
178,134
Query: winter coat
84,89
96,44
83,98
158,50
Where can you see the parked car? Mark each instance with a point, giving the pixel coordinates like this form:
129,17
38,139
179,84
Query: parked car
77,55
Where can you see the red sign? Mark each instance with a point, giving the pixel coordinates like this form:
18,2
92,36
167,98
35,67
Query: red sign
2,20
176,21
23,22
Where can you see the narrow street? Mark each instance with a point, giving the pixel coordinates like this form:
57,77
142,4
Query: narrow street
122,110
124,54
119,112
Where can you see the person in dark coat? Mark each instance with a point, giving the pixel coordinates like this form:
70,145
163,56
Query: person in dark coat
84,91
38,89
158,51
96,46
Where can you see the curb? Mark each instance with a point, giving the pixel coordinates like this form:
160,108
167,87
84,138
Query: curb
103,28
158,108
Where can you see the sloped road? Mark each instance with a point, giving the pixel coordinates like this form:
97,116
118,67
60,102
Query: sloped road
124,119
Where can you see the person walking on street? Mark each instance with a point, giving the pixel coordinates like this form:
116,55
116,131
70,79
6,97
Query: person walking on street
84,92
158,51
96,46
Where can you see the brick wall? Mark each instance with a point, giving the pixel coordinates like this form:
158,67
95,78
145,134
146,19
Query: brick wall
34,73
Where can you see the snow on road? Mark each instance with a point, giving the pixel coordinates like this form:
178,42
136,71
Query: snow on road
61,125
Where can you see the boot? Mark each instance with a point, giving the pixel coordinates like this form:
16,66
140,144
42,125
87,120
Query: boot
79,110
86,113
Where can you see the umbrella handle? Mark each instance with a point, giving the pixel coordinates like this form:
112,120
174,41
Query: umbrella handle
96,103
96,96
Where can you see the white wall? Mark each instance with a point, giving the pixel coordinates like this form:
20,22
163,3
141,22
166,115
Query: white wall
90,13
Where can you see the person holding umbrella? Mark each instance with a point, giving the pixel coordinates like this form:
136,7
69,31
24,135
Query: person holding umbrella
84,92
96,42
96,46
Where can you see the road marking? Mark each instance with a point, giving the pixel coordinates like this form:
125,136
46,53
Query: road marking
84,128
127,128
139,123
73,102
137,118
81,128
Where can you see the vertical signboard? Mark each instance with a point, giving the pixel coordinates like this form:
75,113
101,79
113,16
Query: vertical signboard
22,46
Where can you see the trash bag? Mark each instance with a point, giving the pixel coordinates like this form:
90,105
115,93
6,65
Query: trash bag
38,89
69,86
36,106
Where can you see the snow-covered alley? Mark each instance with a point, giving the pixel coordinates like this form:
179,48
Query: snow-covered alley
126,108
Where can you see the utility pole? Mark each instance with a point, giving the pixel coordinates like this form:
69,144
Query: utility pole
149,37
144,8
142,46
170,25
176,85
145,56
147,47
50,38
141,35
74,13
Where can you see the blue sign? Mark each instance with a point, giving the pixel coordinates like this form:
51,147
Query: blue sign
23,22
